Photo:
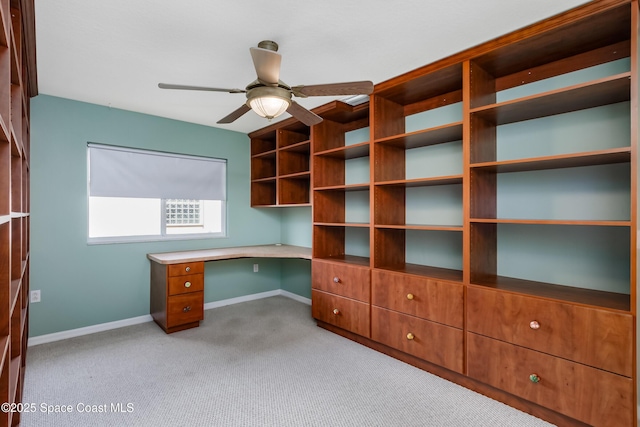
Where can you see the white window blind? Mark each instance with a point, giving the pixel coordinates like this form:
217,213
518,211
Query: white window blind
127,172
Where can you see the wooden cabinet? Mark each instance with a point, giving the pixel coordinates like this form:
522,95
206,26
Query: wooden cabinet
492,195
17,85
430,341
177,295
345,313
340,295
419,316
341,279
590,395
592,336
430,299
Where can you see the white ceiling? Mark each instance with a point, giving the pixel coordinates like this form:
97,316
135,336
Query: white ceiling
115,52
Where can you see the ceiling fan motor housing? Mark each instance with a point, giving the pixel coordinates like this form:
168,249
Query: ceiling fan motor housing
268,44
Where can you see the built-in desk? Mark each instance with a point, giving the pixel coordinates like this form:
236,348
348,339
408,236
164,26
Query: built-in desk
177,280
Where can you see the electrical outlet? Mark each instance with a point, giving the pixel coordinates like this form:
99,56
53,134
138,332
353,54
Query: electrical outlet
35,296
255,268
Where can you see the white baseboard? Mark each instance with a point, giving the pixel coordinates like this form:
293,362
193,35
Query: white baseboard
72,333
295,297
238,300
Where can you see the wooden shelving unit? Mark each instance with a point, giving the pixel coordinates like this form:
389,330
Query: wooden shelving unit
17,85
280,173
497,218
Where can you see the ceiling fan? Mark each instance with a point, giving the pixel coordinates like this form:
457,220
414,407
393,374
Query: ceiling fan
269,96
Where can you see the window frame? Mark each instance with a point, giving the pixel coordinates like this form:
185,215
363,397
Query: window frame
163,236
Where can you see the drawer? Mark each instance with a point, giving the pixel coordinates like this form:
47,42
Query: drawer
430,299
592,336
341,279
186,284
344,313
187,308
433,342
185,268
587,394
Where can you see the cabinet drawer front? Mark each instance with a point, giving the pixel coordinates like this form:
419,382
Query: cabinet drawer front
592,336
344,313
433,342
418,296
588,394
185,284
185,308
185,268
338,278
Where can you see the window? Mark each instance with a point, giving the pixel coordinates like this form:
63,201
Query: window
140,195
182,212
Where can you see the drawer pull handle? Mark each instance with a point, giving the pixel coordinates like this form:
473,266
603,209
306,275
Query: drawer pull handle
336,311
188,269
187,284
410,336
534,325
409,296
186,309
534,378
336,279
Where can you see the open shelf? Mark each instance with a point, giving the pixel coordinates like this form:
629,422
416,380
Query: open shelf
349,152
423,138
597,223
595,298
420,227
592,158
347,259
604,91
425,271
421,182
342,224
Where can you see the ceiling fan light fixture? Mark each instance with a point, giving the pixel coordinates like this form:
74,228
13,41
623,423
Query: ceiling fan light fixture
269,102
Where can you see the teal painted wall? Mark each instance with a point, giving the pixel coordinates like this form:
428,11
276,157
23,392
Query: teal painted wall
84,285
296,230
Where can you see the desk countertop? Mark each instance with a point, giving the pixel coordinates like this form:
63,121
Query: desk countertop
262,251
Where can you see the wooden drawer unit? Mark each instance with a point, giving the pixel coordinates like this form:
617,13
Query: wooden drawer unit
344,313
177,295
595,337
186,284
338,278
430,299
587,394
185,268
185,309
433,342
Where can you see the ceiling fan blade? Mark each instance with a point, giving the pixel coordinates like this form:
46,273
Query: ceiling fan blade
305,116
244,108
187,87
349,88
267,64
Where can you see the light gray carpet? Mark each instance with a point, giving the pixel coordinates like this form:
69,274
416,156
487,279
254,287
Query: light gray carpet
259,363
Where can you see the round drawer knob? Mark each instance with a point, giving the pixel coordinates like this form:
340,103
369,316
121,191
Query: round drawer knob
187,284
336,311
188,269
534,324
187,309
534,378
336,279
410,336
409,296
